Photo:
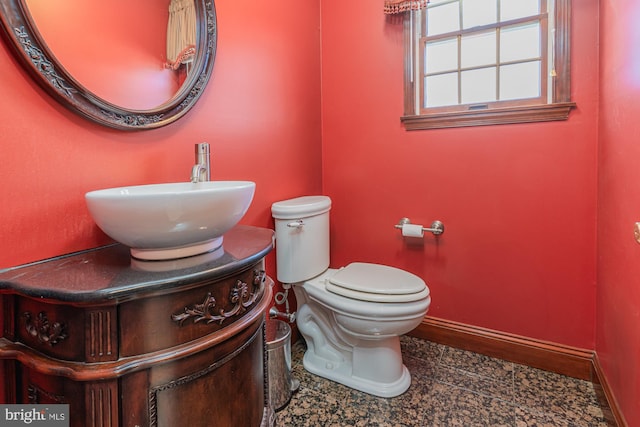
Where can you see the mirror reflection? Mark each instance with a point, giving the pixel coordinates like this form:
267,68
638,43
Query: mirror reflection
134,54
127,65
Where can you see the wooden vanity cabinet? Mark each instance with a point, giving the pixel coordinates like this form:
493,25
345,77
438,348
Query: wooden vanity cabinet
128,343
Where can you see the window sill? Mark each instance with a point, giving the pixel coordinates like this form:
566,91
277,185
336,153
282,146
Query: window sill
496,116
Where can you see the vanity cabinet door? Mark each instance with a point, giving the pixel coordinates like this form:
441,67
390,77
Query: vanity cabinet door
221,386
91,404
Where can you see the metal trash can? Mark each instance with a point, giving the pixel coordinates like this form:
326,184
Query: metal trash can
281,384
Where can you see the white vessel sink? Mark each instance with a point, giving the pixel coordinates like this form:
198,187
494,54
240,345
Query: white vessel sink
169,221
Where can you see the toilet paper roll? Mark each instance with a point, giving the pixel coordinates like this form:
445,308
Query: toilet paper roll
412,230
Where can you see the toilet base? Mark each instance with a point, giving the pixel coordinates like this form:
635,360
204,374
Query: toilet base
342,372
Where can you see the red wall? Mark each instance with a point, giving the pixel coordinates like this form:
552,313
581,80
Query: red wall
260,113
618,298
518,201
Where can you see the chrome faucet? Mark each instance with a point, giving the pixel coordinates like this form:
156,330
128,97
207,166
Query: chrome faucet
201,171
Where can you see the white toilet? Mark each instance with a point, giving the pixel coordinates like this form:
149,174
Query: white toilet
351,318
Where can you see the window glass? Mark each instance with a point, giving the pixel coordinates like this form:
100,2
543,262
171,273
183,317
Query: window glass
478,49
478,86
441,56
513,9
519,81
466,37
441,90
479,12
520,42
443,19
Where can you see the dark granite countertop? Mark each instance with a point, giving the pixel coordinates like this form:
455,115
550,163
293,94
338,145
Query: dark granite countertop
109,273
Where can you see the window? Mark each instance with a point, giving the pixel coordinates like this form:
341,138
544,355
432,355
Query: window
482,62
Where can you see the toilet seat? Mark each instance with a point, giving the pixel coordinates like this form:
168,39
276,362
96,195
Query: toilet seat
376,283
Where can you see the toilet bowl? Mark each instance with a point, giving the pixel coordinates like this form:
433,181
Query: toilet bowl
351,318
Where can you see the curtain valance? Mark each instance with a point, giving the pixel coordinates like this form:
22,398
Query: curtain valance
181,33
392,7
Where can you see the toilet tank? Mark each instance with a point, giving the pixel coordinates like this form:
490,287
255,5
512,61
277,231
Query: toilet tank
302,237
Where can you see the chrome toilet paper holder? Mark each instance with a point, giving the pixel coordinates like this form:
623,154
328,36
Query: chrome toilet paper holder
437,227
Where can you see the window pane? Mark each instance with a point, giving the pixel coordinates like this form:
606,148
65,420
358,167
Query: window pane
512,9
441,56
479,12
443,19
441,90
479,49
520,81
479,85
520,42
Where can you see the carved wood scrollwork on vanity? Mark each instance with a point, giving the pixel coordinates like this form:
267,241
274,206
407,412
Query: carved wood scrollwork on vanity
36,395
46,332
239,296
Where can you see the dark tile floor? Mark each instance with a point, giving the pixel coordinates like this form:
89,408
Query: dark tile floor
450,387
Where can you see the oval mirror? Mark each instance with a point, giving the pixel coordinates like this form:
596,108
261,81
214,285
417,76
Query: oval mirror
114,86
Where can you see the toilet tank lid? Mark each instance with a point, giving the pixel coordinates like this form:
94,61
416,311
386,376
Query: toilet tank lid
301,207
378,279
